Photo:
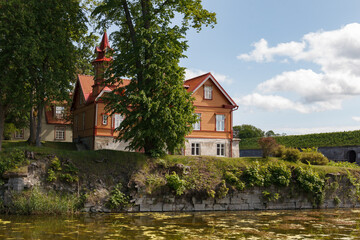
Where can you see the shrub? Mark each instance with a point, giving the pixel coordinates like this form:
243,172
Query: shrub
269,197
314,158
268,145
15,159
222,190
233,179
292,155
117,199
253,176
175,183
279,151
310,181
278,174
154,182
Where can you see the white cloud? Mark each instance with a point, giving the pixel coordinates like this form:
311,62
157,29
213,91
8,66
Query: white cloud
191,73
357,119
336,52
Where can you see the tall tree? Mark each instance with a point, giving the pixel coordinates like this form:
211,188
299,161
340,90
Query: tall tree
56,26
14,50
148,46
247,131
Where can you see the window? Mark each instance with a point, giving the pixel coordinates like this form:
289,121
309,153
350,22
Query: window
117,120
104,119
197,125
207,92
220,122
59,133
59,112
220,149
195,149
19,134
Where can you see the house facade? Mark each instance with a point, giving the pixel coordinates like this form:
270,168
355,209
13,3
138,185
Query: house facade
95,128
54,125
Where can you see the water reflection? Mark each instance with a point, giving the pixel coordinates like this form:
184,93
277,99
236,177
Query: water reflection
316,224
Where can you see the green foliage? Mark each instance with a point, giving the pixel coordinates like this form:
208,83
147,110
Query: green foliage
147,49
15,159
51,175
154,182
314,158
270,197
233,179
247,131
222,190
337,201
278,174
37,202
335,139
117,199
310,150
268,146
292,155
55,164
310,182
254,175
175,183
66,172
354,181
9,130
279,151
344,164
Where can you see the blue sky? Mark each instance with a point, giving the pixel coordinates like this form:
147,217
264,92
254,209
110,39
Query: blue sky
291,66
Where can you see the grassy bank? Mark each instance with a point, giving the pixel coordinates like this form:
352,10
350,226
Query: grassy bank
335,139
122,173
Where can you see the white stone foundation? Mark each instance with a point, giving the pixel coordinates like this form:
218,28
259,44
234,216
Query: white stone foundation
208,146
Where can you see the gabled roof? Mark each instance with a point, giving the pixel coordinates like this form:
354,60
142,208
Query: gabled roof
50,116
195,83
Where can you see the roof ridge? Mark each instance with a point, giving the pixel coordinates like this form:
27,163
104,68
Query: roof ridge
198,76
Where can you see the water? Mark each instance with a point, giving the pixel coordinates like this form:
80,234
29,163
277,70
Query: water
314,224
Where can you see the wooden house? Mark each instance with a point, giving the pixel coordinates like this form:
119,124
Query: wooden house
94,128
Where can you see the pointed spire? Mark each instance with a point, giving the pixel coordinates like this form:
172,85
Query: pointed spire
101,51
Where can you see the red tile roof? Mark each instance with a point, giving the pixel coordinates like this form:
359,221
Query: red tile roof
193,83
51,119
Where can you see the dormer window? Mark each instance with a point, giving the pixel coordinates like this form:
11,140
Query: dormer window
207,92
59,112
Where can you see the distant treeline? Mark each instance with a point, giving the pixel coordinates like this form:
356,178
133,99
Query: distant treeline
335,139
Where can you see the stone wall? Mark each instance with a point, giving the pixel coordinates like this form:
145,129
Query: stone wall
350,153
110,143
250,199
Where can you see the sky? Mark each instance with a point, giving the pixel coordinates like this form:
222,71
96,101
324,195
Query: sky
292,66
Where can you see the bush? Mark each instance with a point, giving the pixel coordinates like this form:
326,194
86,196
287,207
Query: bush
153,183
268,145
175,183
117,199
278,174
292,155
253,176
279,151
15,159
222,190
314,158
310,181
233,179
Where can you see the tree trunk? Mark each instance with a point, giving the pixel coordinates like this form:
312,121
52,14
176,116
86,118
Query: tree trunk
38,128
2,123
32,137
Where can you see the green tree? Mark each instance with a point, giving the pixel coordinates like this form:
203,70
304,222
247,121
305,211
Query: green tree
247,131
14,51
148,46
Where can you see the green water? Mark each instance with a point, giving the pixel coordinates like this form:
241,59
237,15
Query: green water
314,224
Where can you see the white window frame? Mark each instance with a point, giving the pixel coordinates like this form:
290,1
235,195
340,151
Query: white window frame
105,119
195,149
59,133
208,92
117,120
220,149
197,125
220,122
59,112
